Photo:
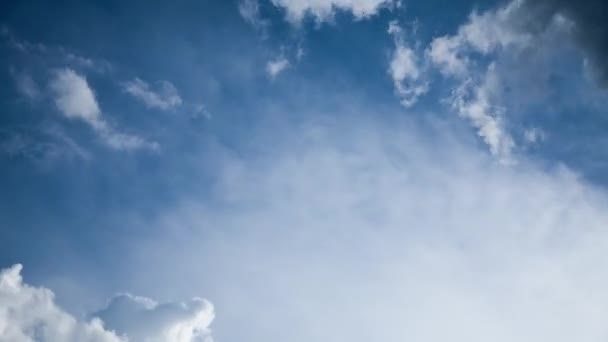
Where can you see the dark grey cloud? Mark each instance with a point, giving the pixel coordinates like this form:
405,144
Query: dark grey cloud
590,18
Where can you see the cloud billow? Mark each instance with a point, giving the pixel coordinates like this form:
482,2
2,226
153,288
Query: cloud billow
30,313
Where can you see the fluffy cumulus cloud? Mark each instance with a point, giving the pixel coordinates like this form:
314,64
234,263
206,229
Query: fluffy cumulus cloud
75,99
323,10
29,313
142,319
164,96
405,69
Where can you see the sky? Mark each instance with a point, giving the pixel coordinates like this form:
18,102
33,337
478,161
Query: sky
303,170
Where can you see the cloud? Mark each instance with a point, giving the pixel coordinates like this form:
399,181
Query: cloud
474,58
30,314
26,86
323,10
42,145
404,232
164,97
49,55
76,100
405,69
142,319
276,66
504,63
590,27
476,102
250,12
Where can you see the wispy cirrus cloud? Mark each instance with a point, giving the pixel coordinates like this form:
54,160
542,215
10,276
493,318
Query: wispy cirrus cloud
76,100
163,95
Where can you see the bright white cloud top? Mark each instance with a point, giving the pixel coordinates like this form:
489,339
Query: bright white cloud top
323,10
29,313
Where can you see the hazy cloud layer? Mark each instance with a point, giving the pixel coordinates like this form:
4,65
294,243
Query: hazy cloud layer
406,236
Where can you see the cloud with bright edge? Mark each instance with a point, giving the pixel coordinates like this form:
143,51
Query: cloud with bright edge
75,99
323,10
142,319
29,313
165,96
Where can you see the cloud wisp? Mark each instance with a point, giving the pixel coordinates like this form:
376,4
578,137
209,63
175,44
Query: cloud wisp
405,69
276,66
165,97
76,101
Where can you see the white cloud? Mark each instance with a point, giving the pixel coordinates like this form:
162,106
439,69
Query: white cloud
277,66
477,95
142,319
30,314
323,10
443,51
405,69
164,97
404,233
76,100
476,102
483,33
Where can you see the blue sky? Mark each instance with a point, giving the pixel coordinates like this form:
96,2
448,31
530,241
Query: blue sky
314,169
